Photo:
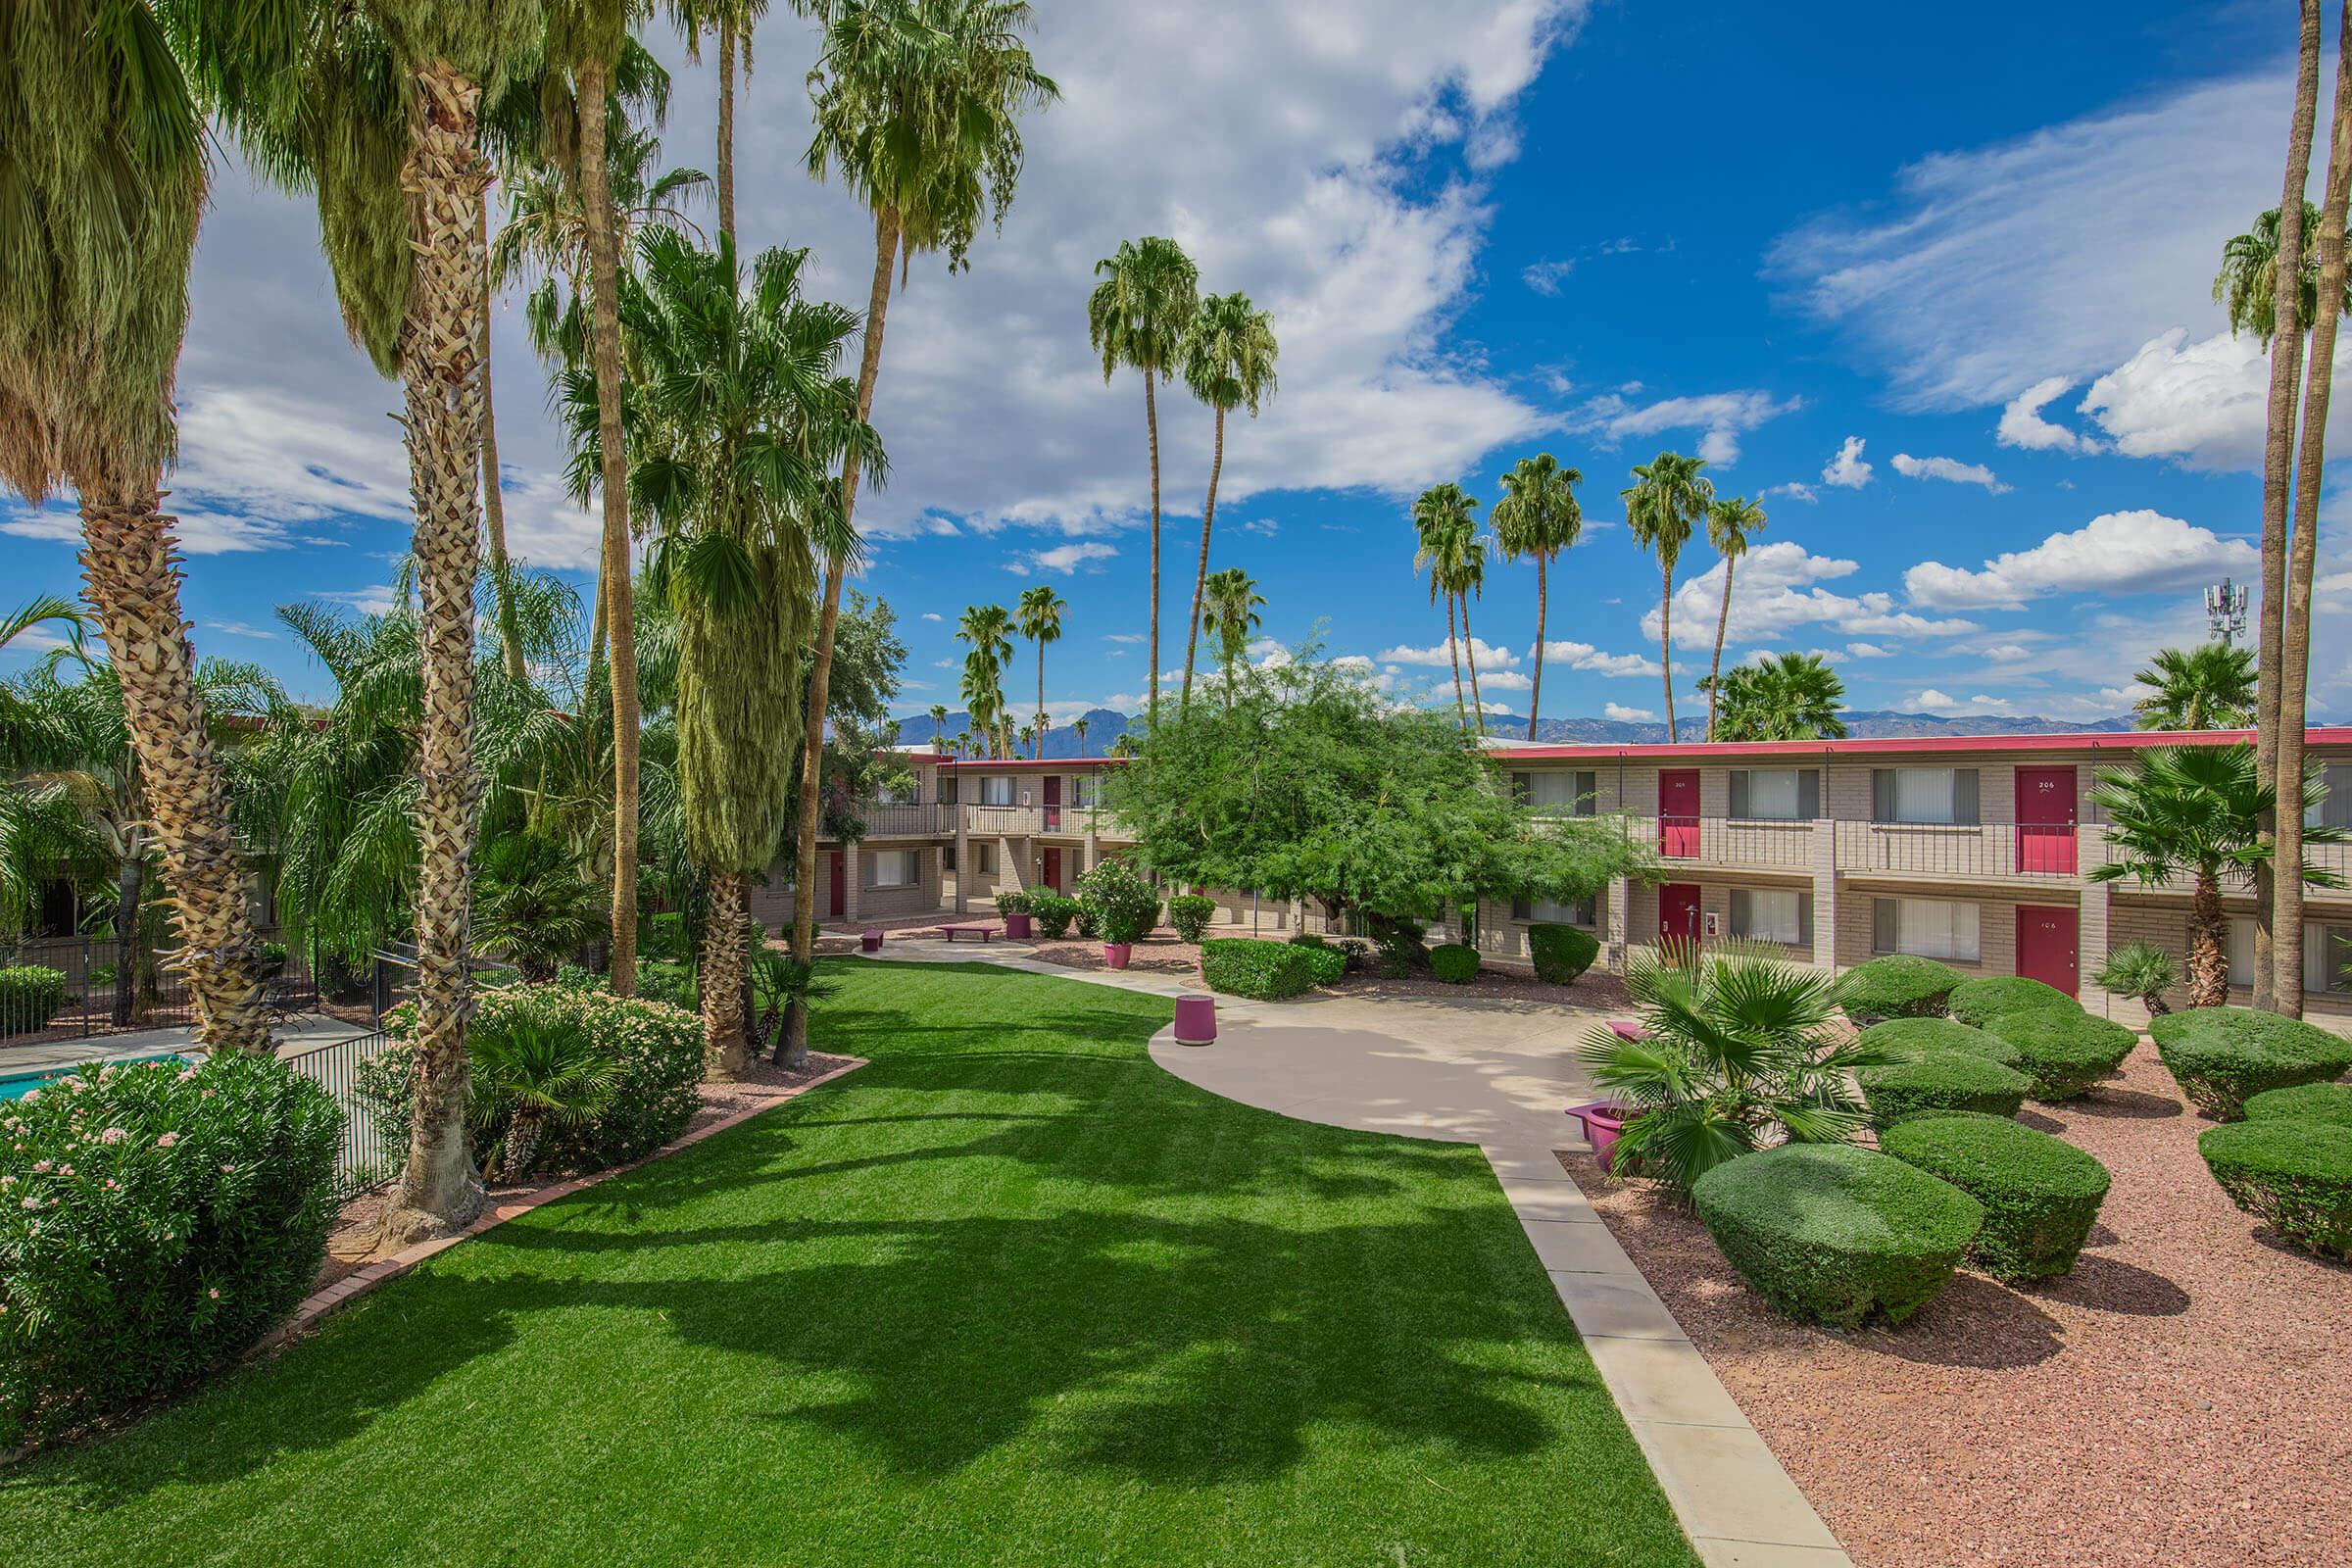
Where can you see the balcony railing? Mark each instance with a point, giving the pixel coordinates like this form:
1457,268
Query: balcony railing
1990,850
1730,841
909,820
1014,821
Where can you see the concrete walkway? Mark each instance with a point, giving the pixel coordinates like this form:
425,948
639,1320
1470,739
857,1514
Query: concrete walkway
1499,1073
306,1033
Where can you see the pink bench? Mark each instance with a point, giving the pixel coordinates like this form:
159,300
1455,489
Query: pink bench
985,933
1627,1029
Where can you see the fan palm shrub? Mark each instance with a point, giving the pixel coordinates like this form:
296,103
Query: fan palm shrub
533,1073
533,903
2141,970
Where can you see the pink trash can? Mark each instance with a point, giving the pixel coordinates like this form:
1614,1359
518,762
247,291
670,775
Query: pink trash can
1196,1020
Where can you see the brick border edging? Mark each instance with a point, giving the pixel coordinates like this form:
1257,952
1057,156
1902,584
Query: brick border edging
319,1303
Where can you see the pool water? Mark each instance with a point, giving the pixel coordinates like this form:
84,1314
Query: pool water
17,1085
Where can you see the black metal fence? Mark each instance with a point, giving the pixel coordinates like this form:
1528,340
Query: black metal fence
58,988
368,1156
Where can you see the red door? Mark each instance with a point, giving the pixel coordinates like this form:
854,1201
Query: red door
1052,857
1677,913
1053,811
837,885
2045,821
1678,813
2046,945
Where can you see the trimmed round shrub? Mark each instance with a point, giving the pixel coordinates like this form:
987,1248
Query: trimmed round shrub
2329,1102
1561,953
30,995
1835,1233
656,1051
1941,1079
1245,966
1054,913
1011,901
1985,998
1896,986
1911,1038
2040,1194
1454,963
2295,1176
1189,913
1123,906
2221,1055
2065,1050
156,1220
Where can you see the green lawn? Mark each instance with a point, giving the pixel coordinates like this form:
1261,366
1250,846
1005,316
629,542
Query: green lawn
1011,1295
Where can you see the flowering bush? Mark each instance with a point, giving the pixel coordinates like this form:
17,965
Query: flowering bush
156,1220
656,1056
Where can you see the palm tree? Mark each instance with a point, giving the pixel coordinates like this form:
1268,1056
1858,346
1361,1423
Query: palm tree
1040,620
1666,499
105,179
532,1074
1138,317
2207,687
1793,697
987,629
2198,810
939,726
534,904
918,105
2246,287
743,423
1537,517
1731,520
1027,736
1443,528
734,22
1229,605
1229,354
1078,728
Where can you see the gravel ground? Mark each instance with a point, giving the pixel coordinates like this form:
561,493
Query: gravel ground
1594,991
2183,1398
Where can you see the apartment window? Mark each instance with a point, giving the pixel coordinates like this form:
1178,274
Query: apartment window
996,790
892,868
2336,810
984,857
947,789
1082,790
2241,950
1929,794
890,796
2327,954
1542,911
1567,793
1774,915
1776,794
947,855
1932,928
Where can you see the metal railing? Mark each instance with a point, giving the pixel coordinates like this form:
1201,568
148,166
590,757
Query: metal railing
1010,820
1730,841
367,1158
92,989
1998,850
908,820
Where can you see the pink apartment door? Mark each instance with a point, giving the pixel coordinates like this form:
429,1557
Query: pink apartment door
1678,813
1677,913
837,884
2048,944
1053,803
2045,821
1052,873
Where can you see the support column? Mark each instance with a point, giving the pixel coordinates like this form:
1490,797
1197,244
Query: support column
963,863
1616,940
1823,859
2090,927
848,883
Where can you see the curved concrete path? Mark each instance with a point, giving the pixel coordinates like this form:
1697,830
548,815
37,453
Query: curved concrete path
1500,1073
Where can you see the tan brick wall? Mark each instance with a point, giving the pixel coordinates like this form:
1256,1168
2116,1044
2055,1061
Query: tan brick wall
1997,925
2165,923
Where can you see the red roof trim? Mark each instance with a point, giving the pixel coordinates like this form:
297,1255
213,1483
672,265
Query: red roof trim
1026,764
1886,745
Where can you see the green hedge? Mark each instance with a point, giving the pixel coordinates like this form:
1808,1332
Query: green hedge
30,994
2329,1102
1911,1038
1454,964
1896,986
1245,967
2221,1055
1840,1234
1561,953
1986,996
1054,913
2040,1194
1189,913
1941,1079
2066,1049
2295,1176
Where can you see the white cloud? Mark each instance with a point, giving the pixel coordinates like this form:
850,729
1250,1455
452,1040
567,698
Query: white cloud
1935,702
1444,652
1721,417
1123,636
1502,680
375,599
1546,277
1586,657
1628,716
238,628
2022,424
2008,652
2117,553
1950,469
1795,490
1846,471
1868,650
1064,558
1779,588
2205,404
933,615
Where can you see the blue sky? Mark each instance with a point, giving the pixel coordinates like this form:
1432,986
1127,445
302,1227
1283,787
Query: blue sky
1979,248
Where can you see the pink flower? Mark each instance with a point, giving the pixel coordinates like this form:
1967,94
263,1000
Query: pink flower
215,1294
167,1141
110,1184
31,1202
186,1073
44,1166
113,1135
32,1095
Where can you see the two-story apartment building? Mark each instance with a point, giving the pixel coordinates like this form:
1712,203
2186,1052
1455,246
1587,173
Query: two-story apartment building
1977,851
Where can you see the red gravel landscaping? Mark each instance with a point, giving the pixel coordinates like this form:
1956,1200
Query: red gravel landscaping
2183,1398
1165,955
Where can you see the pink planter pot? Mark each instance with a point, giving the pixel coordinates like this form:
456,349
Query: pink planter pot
1116,953
1196,1020
1603,1121
1017,926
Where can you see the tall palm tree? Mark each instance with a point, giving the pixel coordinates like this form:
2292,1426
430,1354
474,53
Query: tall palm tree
939,727
2198,810
1443,528
987,630
2207,687
1229,606
1537,517
742,423
2246,287
1078,727
1731,520
1793,697
733,20
1039,618
102,182
1138,317
918,105
1666,499
1229,353
1466,575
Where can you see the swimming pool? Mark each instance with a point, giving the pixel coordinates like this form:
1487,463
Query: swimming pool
17,1085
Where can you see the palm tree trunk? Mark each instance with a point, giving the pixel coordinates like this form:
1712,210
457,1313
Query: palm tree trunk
1534,695
2277,469
1666,648
494,504
604,271
2294,673
130,878
1151,428
438,1191
1453,651
1208,516
727,1050
726,120
1723,621
795,1047
2208,952
1040,699
131,569
1478,704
